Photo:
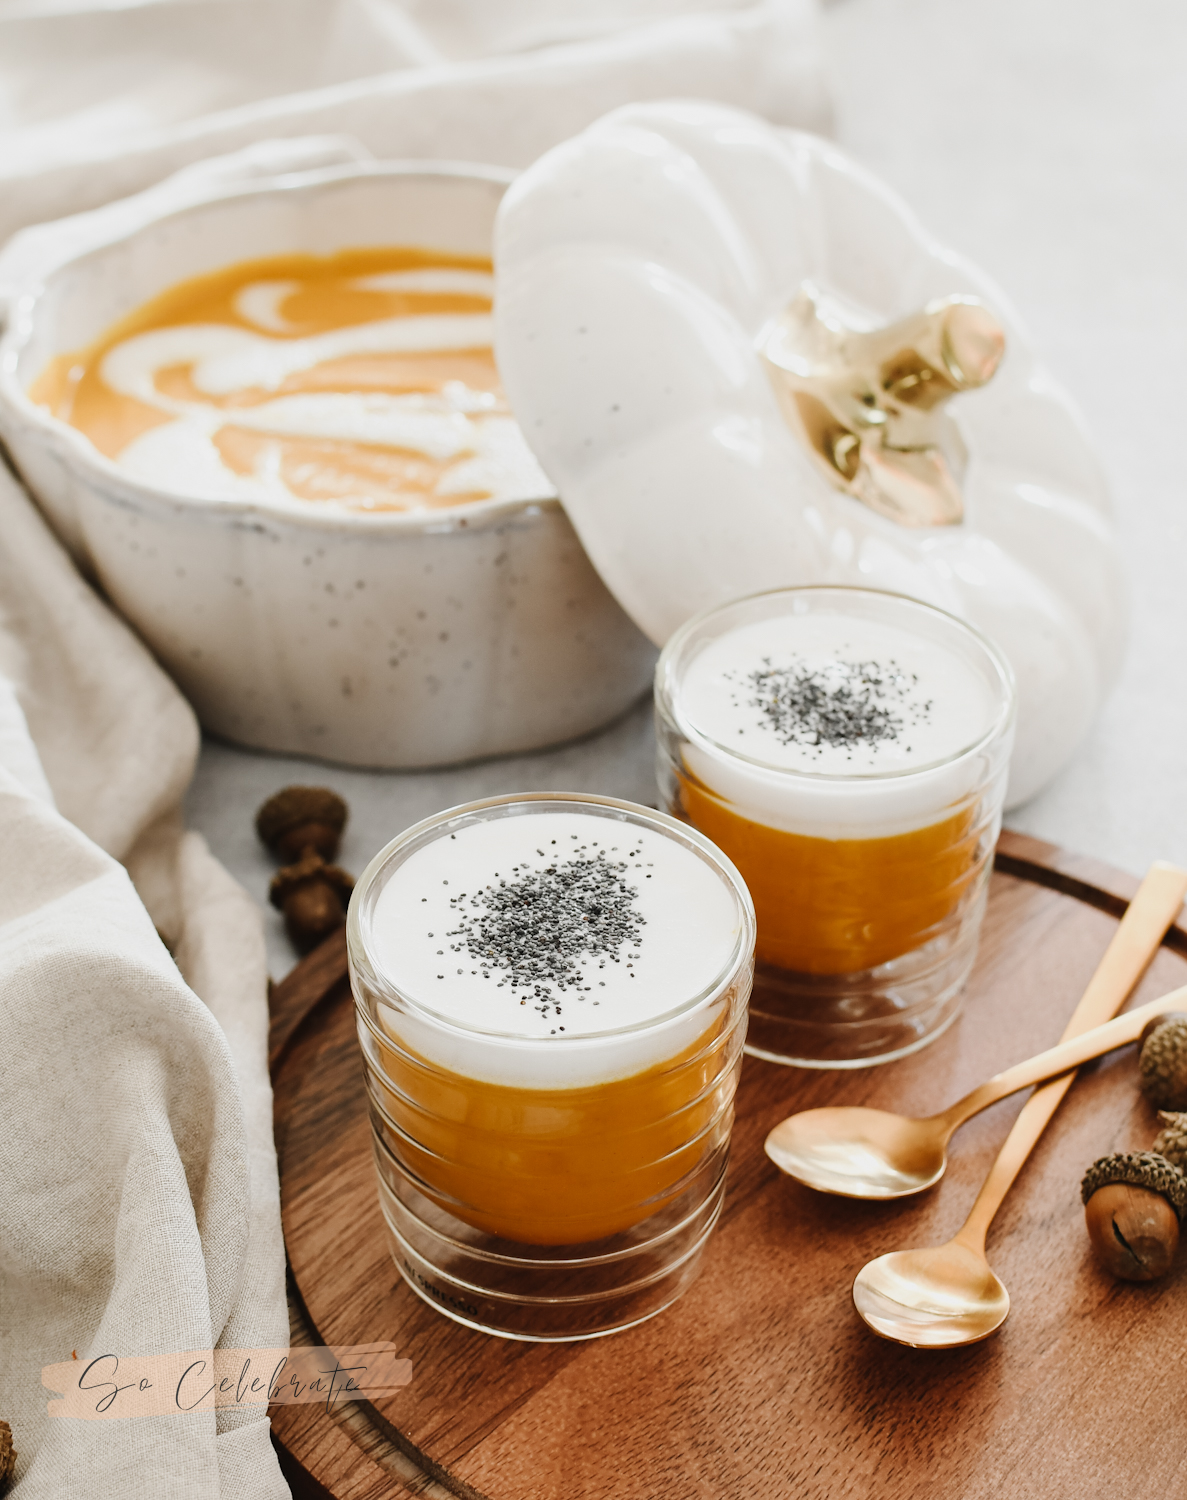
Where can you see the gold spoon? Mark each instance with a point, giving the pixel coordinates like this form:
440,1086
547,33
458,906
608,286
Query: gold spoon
947,1296
871,1153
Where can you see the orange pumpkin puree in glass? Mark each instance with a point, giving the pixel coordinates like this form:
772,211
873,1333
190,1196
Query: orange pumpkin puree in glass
838,906
560,1166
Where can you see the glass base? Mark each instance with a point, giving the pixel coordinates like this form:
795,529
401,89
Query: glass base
862,1019
548,1293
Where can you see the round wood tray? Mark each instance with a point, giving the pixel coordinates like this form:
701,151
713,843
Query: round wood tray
761,1381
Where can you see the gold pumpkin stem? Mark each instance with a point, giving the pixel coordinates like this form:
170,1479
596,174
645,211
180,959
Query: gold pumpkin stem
869,405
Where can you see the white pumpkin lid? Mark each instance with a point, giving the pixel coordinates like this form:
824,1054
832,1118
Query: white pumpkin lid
638,266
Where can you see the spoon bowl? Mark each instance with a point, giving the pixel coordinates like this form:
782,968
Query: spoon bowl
860,1153
936,1298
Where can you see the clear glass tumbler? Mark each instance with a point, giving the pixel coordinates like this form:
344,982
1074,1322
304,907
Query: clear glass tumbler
848,750
551,996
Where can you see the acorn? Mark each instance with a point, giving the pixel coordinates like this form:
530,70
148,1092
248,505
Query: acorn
1171,1141
1163,1065
1156,1021
1134,1202
7,1457
313,896
303,826
302,818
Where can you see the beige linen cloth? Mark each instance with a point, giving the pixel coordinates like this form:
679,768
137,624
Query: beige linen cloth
139,1208
99,100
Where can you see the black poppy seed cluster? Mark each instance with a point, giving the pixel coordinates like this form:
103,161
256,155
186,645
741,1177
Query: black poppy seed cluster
540,928
843,705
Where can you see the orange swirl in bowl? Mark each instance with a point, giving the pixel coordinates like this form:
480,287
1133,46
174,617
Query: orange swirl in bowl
365,380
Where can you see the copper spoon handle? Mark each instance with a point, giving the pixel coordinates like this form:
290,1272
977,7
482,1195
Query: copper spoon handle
1069,1055
1064,1058
1153,909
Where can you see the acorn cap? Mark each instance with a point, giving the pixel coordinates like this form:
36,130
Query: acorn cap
1144,1169
1156,1021
1163,1066
1171,1141
308,816
312,868
7,1456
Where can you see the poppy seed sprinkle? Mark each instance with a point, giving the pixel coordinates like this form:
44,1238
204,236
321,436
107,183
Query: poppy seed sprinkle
538,929
842,704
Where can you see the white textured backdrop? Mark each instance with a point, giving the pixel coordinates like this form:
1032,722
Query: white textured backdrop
1047,139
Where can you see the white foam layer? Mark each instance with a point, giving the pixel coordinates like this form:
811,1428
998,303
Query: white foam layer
814,722
931,704
678,927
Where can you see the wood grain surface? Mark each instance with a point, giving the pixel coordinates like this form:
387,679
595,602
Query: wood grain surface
761,1381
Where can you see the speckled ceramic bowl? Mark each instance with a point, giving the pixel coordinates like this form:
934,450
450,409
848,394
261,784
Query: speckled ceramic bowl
387,640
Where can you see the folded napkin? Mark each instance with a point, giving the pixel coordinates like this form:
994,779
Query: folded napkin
139,1207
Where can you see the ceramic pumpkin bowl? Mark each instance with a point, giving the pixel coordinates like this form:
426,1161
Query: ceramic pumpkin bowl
732,348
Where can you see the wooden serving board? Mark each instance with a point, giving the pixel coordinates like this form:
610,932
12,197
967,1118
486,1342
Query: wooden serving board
762,1382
